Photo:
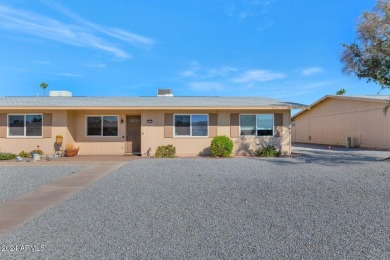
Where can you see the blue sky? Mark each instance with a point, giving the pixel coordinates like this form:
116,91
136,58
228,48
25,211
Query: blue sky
287,50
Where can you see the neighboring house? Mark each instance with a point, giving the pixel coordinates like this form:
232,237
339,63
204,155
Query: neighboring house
121,125
332,119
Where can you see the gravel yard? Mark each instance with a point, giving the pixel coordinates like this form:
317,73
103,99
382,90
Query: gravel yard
17,180
201,208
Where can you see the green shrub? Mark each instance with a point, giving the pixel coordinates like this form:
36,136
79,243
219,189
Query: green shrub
7,156
165,151
221,146
40,152
267,151
24,154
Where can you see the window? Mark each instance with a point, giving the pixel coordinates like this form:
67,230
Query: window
191,125
258,125
102,125
25,125
265,125
248,124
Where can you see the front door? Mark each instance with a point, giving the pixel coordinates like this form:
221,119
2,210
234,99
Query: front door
133,134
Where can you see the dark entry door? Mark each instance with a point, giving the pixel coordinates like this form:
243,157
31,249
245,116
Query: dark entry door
133,134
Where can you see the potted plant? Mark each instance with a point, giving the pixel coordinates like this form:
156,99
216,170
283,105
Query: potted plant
36,154
71,150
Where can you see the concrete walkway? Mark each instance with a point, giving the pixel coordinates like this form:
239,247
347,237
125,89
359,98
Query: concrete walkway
17,211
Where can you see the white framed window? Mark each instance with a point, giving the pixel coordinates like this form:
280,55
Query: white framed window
257,124
102,125
25,125
191,125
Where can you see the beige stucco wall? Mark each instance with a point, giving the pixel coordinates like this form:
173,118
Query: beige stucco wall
248,144
27,144
333,120
100,145
153,134
72,125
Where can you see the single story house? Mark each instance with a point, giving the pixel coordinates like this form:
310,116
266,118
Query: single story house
122,125
333,119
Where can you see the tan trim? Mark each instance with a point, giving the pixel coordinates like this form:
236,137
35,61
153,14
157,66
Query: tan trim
278,124
213,124
46,125
234,125
3,125
168,125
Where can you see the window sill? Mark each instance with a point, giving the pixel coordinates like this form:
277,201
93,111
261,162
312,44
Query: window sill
190,137
257,136
24,137
100,136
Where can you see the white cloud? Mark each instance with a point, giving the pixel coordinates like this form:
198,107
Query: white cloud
67,74
81,34
247,8
95,65
44,62
301,88
195,66
189,73
311,71
199,72
259,76
114,32
207,86
220,72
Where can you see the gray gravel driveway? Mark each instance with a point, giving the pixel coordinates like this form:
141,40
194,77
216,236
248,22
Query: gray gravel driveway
17,180
243,208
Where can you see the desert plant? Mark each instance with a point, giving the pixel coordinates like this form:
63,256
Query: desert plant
221,146
71,150
24,154
267,151
7,156
165,151
71,147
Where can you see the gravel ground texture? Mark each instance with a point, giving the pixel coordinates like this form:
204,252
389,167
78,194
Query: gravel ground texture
17,180
200,208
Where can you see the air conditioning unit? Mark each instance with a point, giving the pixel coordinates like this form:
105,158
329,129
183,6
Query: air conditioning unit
60,93
164,93
348,142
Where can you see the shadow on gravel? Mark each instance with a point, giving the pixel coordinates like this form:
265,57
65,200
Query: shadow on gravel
322,157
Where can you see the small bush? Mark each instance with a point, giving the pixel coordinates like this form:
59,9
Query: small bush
268,151
24,154
7,156
40,152
221,146
165,151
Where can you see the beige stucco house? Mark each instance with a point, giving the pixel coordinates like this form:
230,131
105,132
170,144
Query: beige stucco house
121,125
332,119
